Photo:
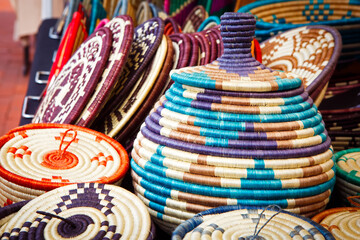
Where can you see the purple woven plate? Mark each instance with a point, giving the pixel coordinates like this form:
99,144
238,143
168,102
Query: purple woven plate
146,40
139,117
213,46
69,92
204,48
194,19
122,29
183,42
194,59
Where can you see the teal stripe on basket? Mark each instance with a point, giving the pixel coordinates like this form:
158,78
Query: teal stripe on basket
159,149
232,192
260,174
203,80
259,164
178,89
264,118
157,207
159,215
157,159
216,142
209,132
171,96
155,193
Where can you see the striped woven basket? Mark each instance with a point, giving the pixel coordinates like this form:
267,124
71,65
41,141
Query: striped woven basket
311,52
342,223
275,16
241,222
82,211
36,158
232,132
348,176
341,114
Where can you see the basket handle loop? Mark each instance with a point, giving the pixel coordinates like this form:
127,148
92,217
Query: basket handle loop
61,152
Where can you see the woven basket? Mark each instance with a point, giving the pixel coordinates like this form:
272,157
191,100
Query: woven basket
146,41
122,31
232,132
85,211
311,52
194,19
340,222
37,158
276,16
241,222
69,92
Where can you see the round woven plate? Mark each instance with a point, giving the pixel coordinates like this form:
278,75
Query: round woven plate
210,22
135,122
194,19
204,54
88,211
137,95
238,222
194,59
183,41
146,40
275,16
341,222
347,165
69,92
311,52
122,31
171,26
41,157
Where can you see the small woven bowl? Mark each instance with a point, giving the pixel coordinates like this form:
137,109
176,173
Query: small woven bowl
340,222
241,222
85,211
36,158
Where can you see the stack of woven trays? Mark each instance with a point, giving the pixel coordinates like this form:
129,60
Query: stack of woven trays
274,16
241,222
311,52
232,132
341,114
348,177
82,211
342,223
36,158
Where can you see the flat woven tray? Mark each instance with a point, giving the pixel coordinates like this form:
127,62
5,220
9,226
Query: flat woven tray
85,211
237,222
310,52
122,31
275,16
41,157
69,92
341,222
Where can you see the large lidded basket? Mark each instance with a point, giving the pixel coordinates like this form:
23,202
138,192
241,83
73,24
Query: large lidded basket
232,132
36,158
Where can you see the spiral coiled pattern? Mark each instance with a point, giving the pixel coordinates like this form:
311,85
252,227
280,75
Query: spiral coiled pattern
93,211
